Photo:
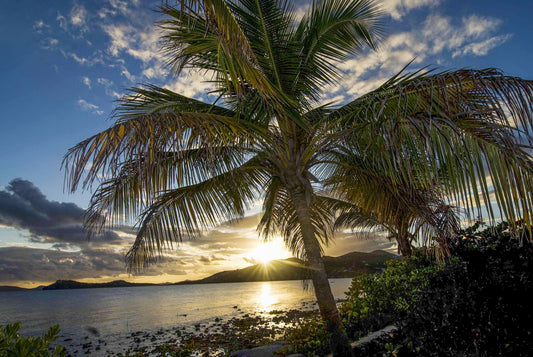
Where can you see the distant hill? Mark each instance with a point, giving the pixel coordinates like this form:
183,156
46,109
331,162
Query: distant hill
11,288
72,284
345,266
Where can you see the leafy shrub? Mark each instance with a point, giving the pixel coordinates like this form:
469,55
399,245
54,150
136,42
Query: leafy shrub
308,337
375,301
476,304
11,344
480,304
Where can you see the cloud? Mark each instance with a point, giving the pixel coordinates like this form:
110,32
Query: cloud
95,58
108,84
399,8
210,259
474,31
251,260
89,107
142,43
190,83
62,21
78,15
86,81
105,82
76,22
18,264
482,48
23,206
439,37
49,43
39,26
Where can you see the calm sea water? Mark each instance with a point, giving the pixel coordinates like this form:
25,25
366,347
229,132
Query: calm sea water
119,311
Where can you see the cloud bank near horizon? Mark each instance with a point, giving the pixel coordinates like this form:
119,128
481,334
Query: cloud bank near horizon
57,247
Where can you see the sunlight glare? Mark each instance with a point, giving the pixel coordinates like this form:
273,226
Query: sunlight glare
268,251
266,299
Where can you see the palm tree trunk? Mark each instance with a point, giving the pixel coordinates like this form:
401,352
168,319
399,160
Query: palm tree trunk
340,346
404,246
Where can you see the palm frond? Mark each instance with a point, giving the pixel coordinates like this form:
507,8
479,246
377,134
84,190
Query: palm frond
139,181
150,136
184,212
280,219
474,125
151,99
329,33
223,44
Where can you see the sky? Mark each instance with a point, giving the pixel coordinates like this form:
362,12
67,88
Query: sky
64,63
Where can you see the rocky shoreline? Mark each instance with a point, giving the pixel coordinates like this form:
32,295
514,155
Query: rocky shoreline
243,331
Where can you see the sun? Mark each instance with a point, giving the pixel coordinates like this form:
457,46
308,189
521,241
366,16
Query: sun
268,251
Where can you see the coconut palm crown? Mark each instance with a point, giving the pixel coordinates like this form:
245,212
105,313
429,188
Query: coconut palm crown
181,166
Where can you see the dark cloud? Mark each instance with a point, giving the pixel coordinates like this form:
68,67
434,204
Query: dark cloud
213,259
250,260
204,259
225,242
348,242
44,265
248,222
24,206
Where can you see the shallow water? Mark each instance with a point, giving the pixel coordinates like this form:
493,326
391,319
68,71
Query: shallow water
116,312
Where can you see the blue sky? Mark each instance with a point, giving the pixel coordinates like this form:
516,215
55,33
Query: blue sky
63,64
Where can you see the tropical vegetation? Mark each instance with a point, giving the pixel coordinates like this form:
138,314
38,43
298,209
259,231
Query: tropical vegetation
180,165
12,344
473,304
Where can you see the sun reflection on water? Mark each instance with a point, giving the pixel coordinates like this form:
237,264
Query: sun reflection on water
266,299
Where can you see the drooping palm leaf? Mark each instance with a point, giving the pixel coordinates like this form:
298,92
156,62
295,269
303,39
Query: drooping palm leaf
465,122
330,32
139,181
187,211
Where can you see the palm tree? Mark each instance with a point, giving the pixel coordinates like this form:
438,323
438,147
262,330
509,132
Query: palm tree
181,165
368,200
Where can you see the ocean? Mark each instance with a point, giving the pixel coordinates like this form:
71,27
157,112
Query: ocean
115,313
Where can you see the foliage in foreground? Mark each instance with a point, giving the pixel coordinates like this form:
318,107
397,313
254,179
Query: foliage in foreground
476,304
11,344
375,301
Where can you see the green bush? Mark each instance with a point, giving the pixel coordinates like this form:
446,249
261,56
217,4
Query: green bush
308,337
12,345
478,303
375,301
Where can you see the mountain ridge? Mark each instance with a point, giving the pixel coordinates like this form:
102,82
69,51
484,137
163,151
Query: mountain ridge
344,266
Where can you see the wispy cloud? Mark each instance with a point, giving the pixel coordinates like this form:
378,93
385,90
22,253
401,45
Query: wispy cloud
76,22
95,58
108,85
439,38
86,81
49,43
63,23
39,26
89,107
78,16
399,8
482,48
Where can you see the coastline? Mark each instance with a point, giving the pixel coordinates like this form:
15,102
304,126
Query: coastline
245,330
